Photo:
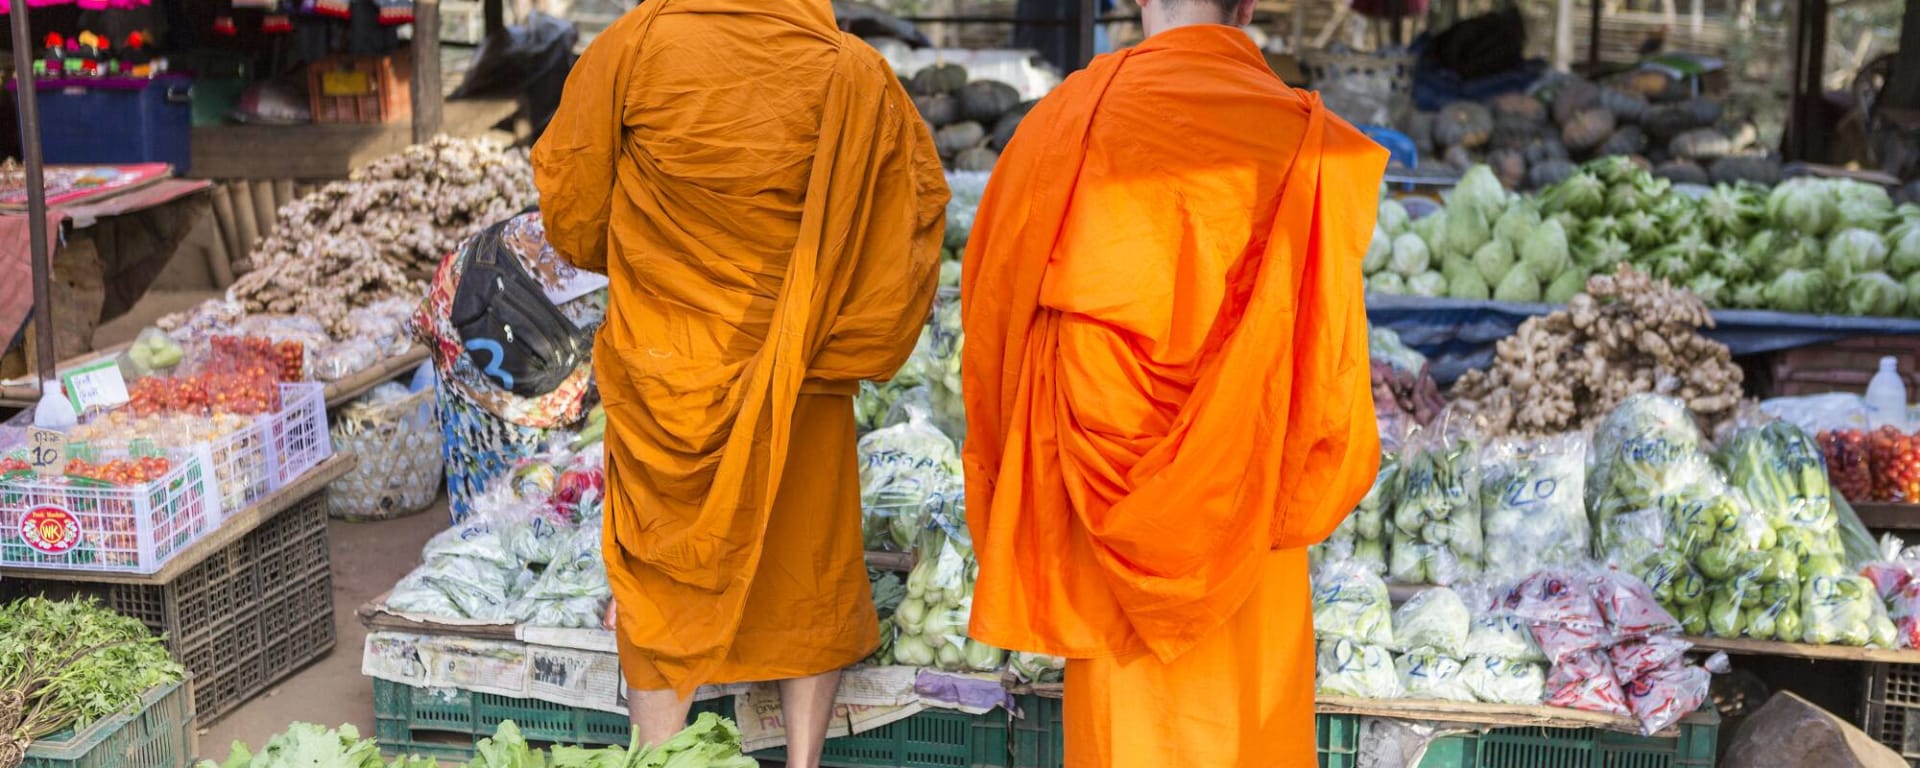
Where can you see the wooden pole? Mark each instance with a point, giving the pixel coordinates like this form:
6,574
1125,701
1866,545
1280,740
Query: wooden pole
428,95
1089,18
29,104
1593,39
495,14
1563,35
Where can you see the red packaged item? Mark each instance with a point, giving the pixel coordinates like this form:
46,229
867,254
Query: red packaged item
1848,462
1661,697
1904,609
1559,609
1888,577
1630,608
1635,659
1585,681
1894,457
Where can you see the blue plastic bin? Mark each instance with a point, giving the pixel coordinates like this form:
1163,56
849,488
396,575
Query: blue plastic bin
119,121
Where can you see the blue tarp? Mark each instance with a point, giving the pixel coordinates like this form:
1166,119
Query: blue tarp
1458,335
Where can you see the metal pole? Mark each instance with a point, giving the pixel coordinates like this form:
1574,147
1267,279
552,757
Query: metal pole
36,195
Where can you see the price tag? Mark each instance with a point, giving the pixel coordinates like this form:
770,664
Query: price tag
47,451
96,385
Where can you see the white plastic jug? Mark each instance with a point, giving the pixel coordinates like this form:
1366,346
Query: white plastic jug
1887,396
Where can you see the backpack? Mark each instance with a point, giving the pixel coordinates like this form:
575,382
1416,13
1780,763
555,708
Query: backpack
508,328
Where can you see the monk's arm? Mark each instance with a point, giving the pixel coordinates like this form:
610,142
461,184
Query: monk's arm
573,163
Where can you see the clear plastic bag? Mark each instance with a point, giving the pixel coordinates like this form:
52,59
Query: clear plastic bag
153,352
1350,602
572,590
1504,681
1845,610
1533,503
1435,619
931,623
1637,658
901,467
1037,667
1558,608
1629,606
1784,474
1586,681
1645,455
1435,522
1664,696
1426,674
1362,537
1496,633
1346,668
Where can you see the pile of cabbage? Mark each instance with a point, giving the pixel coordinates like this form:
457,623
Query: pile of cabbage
1808,245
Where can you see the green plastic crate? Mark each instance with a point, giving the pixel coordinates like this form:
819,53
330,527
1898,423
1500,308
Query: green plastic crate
934,738
445,724
160,735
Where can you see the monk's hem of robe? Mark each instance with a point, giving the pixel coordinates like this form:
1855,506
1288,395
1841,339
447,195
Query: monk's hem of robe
780,648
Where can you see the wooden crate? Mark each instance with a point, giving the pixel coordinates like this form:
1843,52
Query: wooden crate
361,89
1843,366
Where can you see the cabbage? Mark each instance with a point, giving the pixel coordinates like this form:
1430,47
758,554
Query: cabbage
1643,231
1913,295
1711,288
1805,206
1519,286
1410,256
1428,284
1563,288
1427,228
1493,260
1393,217
1435,619
1462,231
1544,250
1519,219
1903,242
1468,285
1378,252
1734,211
1426,674
1387,284
1346,668
1874,294
1801,253
1800,290
1749,295
1350,602
1600,254
1731,262
1863,206
1582,194
1479,192
1853,251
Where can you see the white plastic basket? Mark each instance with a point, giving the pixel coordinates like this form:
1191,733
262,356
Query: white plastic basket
79,525
296,437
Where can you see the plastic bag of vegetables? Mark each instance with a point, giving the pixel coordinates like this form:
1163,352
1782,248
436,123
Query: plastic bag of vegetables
1586,681
1533,503
1037,667
1496,633
931,623
1645,455
572,590
1351,602
1362,538
1346,668
1504,681
901,467
1784,474
1435,619
1662,697
1845,610
1558,608
1435,520
1426,674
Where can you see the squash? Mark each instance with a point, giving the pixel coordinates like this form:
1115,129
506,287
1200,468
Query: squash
1626,107
984,101
1757,170
1629,139
1647,83
1572,98
1509,166
1512,132
1549,173
975,159
939,109
1704,112
1458,158
1519,106
1683,172
1700,144
1587,130
1009,124
1544,149
939,78
1667,121
959,137
1463,124
1420,130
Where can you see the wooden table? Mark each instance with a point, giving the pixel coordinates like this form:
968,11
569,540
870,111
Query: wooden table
24,394
231,530
1747,647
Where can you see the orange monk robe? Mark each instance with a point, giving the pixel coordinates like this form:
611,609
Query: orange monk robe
1168,397
769,208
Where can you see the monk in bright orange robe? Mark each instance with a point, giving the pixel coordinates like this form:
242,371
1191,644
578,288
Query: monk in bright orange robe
769,208
1167,391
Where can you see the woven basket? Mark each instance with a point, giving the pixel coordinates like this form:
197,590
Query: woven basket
1363,88
399,445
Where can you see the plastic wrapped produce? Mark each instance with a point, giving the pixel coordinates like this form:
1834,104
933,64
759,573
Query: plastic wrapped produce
1558,608
1894,457
1533,503
1784,475
1845,610
1362,537
1504,681
1346,668
1848,462
1435,619
1664,696
1586,681
1646,460
1629,606
901,467
1037,667
1435,523
931,623
1350,602
1427,674
1496,633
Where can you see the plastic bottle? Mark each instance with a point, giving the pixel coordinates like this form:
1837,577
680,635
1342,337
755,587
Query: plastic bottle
54,410
1887,396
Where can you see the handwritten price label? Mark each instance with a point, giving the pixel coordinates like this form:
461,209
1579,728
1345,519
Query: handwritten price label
97,385
47,451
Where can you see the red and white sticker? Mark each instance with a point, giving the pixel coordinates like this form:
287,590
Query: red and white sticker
50,529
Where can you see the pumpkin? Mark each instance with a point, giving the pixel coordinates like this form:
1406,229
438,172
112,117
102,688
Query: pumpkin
1420,130
1667,121
1627,107
1704,143
1629,139
957,138
1510,132
1463,124
1704,112
939,109
975,159
1758,170
984,101
1509,166
1519,106
1009,123
1648,84
1458,157
1682,172
1549,173
1545,148
939,78
1574,97
1587,130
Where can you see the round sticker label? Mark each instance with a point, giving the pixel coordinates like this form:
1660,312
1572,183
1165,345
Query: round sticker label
49,529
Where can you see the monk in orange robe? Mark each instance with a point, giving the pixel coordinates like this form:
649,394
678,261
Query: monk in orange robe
769,209
1167,391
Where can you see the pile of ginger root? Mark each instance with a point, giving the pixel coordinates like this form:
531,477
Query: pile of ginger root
1627,334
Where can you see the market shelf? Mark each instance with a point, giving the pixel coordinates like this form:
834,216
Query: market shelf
1898,517
233,529
26,393
1744,647
1498,715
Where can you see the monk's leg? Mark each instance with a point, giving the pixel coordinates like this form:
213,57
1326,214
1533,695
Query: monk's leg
658,714
808,704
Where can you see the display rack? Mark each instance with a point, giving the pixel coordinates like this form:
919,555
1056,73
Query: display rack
23,394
